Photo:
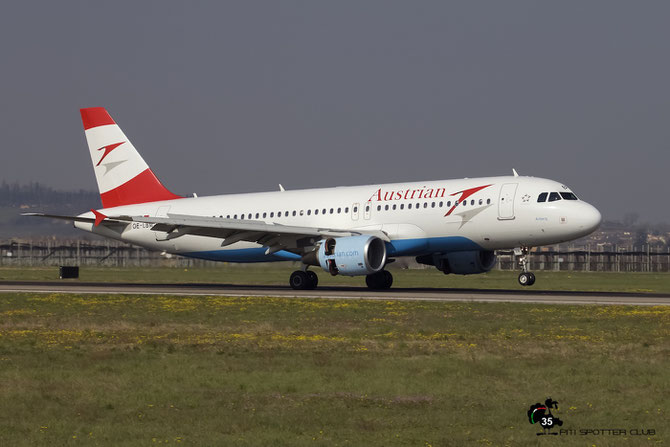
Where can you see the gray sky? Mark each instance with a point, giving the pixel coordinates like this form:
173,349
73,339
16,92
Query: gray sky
239,96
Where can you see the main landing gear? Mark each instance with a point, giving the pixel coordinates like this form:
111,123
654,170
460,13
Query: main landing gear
304,280
307,280
526,278
380,280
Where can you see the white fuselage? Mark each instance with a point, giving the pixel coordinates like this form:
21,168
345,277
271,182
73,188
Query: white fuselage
419,217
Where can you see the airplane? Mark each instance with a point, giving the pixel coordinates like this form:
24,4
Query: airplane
454,225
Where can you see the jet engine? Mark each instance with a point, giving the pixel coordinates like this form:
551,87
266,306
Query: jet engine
352,255
461,262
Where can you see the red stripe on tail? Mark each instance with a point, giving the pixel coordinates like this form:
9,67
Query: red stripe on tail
94,117
141,189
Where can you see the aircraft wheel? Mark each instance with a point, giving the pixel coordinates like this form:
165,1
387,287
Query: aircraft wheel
380,280
526,279
312,279
299,280
372,281
532,278
388,280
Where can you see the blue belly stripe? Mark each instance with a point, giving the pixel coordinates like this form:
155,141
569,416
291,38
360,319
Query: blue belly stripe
399,247
256,254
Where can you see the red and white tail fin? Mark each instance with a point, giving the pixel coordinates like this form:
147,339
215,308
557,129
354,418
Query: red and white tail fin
123,176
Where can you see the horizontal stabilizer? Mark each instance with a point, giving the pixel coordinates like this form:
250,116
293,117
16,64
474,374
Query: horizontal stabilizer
76,218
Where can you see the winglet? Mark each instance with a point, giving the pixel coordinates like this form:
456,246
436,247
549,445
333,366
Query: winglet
99,217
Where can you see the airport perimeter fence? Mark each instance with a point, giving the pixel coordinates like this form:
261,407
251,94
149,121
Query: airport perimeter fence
25,253
91,253
600,259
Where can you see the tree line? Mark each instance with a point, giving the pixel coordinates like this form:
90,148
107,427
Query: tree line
35,194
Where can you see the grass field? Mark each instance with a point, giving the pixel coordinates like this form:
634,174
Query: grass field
131,370
278,274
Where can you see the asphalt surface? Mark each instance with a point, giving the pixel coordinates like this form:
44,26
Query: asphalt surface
529,295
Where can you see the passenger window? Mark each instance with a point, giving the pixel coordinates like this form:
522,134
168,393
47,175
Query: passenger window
425,204
331,210
394,207
386,207
465,202
379,207
554,196
272,214
309,212
242,216
235,216
249,216
228,216
402,206
432,205
294,212
257,215
409,206
481,202
449,203
488,201
339,210
472,202
441,204
355,209
316,212
302,212
568,196
346,210
542,197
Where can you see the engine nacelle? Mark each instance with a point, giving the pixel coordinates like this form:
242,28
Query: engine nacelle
461,262
352,255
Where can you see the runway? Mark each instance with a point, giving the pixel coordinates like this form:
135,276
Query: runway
415,294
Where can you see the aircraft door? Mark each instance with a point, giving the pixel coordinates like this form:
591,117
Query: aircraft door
367,210
354,211
506,201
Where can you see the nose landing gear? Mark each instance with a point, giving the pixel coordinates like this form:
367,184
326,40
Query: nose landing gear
526,278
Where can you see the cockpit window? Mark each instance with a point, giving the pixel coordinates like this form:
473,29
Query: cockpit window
554,196
568,196
542,197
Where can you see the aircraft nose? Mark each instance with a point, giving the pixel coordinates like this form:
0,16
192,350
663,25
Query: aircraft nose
590,218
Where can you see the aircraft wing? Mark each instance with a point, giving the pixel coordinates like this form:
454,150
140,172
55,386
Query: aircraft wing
272,235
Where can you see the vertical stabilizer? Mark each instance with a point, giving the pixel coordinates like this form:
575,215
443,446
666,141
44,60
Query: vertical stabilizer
123,176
